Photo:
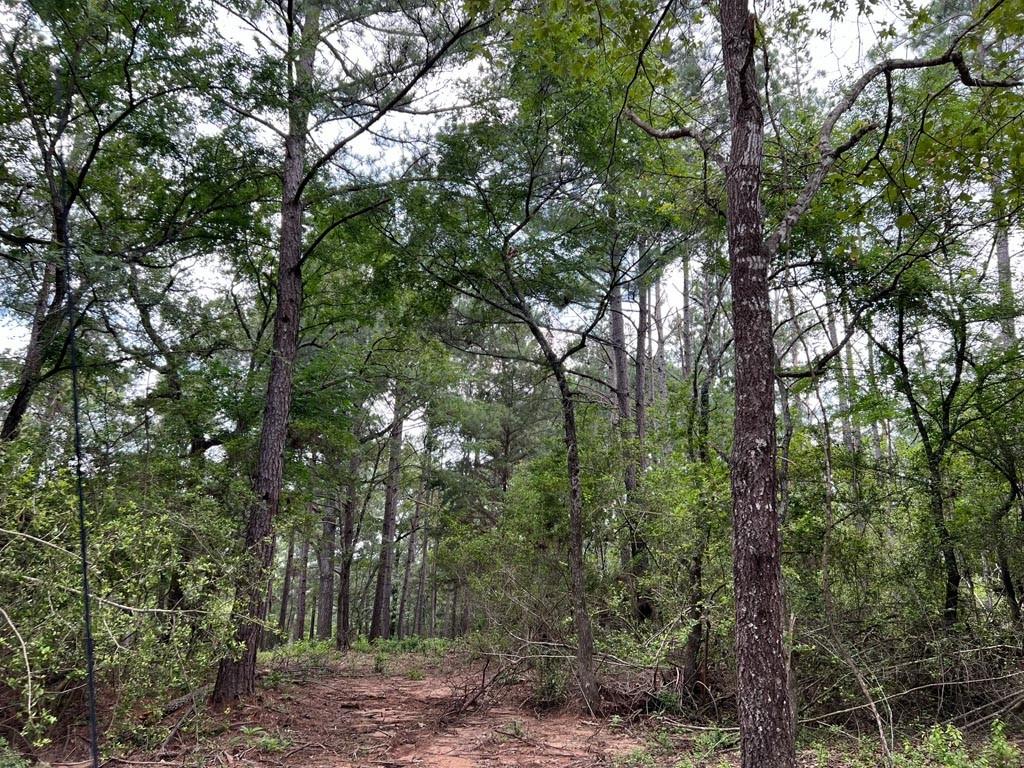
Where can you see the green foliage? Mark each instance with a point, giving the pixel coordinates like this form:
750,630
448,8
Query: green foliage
257,738
945,747
10,758
638,758
140,550
435,647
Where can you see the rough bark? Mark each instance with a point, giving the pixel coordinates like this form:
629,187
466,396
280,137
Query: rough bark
620,366
421,587
581,617
303,588
47,316
1007,302
409,557
643,606
325,565
640,376
766,725
937,507
660,383
348,534
1002,558
380,624
286,588
236,675
687,330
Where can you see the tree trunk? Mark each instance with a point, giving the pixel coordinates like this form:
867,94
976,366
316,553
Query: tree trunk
1004,271
1005,574
643,607
452,624
660,387
286,587
46,323
687,335
620,365
765,717
236,675
380,625
312,614
433,590
409,557
581,618
937,505
325,565
300,598
348,534
421,588
640,388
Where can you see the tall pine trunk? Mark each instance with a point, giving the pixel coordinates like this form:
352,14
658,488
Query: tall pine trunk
577,582
286,588
409,557
236,675
348,535
325,565
766,724
421,587
380,624
303,588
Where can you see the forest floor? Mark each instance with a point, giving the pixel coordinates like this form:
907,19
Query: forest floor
363,710
403,717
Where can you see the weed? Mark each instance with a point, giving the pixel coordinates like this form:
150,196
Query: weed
9,758
944,747
415,674
259,739
638,758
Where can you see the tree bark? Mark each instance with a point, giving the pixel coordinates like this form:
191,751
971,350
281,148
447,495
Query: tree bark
300,598
937,506
380,624
46,323
640,377
1004,271
236,675
286,588
325,565
409,557
660,383
687,335
620,366
766,725
577,577
348,535
581,617
421,588
643,607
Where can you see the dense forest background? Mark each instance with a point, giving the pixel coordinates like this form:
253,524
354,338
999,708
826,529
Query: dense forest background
447,320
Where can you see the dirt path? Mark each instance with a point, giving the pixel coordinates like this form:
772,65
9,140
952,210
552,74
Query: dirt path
350,722
352,717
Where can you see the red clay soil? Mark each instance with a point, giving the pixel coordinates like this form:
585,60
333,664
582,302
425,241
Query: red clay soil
350,722
348,716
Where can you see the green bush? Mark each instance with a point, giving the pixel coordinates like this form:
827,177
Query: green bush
426,646
160,583
944,747
9,758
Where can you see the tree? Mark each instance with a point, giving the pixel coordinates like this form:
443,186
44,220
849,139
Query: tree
305,33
